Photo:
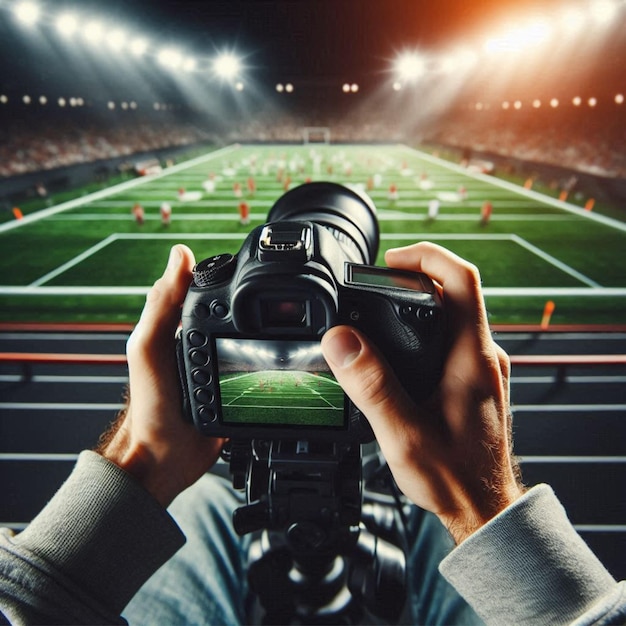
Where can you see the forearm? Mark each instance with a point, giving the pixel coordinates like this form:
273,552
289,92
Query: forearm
529,566
87,553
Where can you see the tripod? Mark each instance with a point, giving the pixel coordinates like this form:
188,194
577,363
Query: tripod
313,559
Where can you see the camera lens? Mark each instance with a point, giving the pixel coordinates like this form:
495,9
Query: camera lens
348,214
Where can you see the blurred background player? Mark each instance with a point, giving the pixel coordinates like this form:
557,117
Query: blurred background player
244,213
166,213
139,213
485,213
433,209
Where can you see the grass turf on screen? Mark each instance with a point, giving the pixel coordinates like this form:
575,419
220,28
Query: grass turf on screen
73,263
287,397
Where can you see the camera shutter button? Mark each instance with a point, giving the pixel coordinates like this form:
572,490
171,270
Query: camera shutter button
214,270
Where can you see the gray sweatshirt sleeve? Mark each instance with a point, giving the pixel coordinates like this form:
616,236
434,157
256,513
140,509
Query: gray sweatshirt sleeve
87,553
529,566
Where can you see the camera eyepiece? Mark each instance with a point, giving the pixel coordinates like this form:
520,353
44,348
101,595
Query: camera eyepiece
349,215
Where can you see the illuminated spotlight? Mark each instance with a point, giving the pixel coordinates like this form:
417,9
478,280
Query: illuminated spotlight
517,105
577,101
133,105
604,11
619,98
26,99
573,19
280,88
110,105
289,88
139,46
67,24
554,103
61,102
354,88
43,100
479,106
458,61
506,105
592,102
537,104
517,39
27,13
124,105
345,88
116,39
227,66
170,58
93,32
4,99
239,86
189,64
397,86
410,66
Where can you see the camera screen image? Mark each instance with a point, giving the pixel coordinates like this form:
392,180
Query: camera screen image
277,382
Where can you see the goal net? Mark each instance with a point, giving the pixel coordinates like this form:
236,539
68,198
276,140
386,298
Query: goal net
315,134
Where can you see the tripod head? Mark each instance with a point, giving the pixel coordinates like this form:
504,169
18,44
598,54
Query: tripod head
313,559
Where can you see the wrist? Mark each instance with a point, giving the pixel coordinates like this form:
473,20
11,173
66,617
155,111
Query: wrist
467,520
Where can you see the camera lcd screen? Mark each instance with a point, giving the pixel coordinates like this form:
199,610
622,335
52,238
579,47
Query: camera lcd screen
385,277
277,382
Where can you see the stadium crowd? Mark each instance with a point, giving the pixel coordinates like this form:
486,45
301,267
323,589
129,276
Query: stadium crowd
32,145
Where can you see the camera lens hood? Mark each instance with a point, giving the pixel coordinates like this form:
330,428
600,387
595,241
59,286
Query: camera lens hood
335,207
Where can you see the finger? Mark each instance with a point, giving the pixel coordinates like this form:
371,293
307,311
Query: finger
161,313
460,280
365,375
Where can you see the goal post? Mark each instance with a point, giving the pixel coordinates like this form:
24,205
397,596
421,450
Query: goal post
315,134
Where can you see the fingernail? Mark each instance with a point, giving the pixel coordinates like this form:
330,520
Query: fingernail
174,259
342,348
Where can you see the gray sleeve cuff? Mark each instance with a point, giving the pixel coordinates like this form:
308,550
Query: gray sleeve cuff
103,532
528,566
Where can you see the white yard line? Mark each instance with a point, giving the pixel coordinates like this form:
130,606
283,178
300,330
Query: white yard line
109,191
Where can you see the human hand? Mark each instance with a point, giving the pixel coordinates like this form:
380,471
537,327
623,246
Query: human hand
452,454
151,440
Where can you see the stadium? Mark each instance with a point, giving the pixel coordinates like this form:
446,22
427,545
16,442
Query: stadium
496,130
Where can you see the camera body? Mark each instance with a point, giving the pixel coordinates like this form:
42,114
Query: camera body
249,352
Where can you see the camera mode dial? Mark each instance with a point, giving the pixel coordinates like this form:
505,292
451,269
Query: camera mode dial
214,270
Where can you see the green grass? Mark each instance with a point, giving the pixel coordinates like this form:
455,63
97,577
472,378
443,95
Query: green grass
281,397
531,242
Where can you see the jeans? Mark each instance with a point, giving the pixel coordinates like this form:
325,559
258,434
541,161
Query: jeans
205,582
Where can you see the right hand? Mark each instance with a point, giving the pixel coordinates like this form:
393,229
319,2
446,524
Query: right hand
452,454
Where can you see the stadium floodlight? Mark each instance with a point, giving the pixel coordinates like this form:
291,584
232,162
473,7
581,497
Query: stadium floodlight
27,13
139,46
410,66
170,57
227,66
94,32
189,64
67,24
116,39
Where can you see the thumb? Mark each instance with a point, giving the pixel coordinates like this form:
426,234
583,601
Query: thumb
369,381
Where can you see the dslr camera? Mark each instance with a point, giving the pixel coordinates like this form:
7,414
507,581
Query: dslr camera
249,352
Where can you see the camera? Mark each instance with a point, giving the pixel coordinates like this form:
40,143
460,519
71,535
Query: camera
248,351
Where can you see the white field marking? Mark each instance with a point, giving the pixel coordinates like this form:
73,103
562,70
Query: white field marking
37,456
566,408
600,528
578,380
63,336
554,261
109,191
571,459
176,217
528,193
79,380
75,261
38,289
62,406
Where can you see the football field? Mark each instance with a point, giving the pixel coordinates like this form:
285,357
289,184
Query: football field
90,260
287,397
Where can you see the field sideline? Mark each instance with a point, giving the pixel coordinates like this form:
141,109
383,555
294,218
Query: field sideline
89,260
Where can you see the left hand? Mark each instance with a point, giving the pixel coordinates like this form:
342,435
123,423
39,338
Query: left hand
151,439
